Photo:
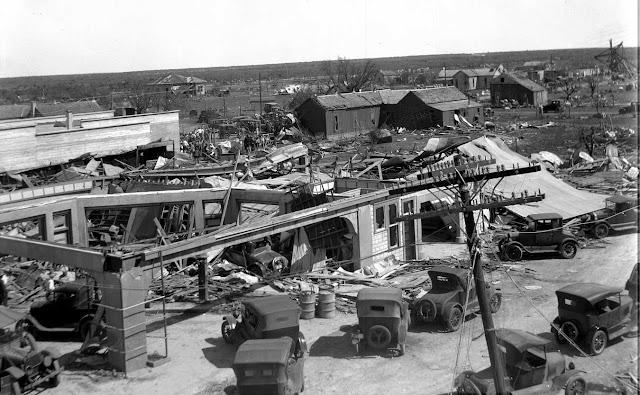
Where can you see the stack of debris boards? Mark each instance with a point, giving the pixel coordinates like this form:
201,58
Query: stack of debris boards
25,279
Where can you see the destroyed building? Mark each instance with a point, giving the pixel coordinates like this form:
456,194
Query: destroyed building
48,141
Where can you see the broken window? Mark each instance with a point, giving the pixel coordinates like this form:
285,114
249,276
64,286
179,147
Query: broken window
61,228
434,229
380,217
393,225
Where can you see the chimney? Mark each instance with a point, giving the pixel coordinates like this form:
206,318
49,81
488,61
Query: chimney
69,120
33,109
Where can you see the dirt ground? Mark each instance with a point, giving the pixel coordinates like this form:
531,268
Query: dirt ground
200,361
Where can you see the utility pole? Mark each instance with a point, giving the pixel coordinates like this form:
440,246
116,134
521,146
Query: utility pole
260,90
463,172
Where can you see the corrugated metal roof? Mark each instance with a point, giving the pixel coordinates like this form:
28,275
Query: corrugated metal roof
439,94
81,107
349,100
455,105
527,83
393,96
447,73
561,197
12,111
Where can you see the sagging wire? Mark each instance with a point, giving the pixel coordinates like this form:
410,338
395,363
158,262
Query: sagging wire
561,333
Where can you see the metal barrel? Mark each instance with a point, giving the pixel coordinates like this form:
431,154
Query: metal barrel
326,302
307,301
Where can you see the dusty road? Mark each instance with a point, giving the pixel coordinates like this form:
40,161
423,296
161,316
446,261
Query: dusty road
201,361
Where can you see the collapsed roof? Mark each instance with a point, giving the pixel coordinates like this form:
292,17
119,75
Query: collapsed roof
561,198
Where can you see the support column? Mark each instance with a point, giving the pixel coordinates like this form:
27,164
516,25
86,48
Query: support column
203,279
123,295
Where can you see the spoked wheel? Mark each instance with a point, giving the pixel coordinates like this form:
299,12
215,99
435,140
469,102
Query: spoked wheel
576,386
226,332
426,310
495,302
453,317
597,342
514,252
378,336
568,250
601,231
570,330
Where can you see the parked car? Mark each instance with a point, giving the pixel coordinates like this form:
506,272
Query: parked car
383,320
632,108
620,214
269,366
268,317
544,233
70,308
260,261
531,368
553,106
23,364
447,296
591,312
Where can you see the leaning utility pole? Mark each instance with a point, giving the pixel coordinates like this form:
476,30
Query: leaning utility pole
460,173
260,90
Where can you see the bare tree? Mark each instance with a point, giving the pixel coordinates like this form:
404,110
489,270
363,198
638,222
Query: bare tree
568,87
348,76
587,137
592,82
143,97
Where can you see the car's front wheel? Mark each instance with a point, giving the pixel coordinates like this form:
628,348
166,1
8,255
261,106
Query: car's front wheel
453,317
576,386
601,231
514,252
568,250
597,342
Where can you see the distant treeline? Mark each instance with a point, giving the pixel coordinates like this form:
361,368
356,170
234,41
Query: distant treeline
100,86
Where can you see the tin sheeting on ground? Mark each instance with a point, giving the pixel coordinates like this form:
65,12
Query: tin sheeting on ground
560,198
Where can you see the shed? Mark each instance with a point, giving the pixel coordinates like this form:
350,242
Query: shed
439,106
514,87
340,115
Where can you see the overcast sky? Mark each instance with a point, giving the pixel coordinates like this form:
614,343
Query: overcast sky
43,37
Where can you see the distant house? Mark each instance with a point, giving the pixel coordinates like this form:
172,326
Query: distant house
388,77
470,79
340,115
182,84
445,77
514,87
439,106
35,109
533,65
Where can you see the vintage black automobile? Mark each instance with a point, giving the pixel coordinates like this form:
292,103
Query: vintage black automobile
620,214
553,106
269,366
531,368
70,308
447,296
260,261
544,233
268,317
23,364
592,312
383,320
